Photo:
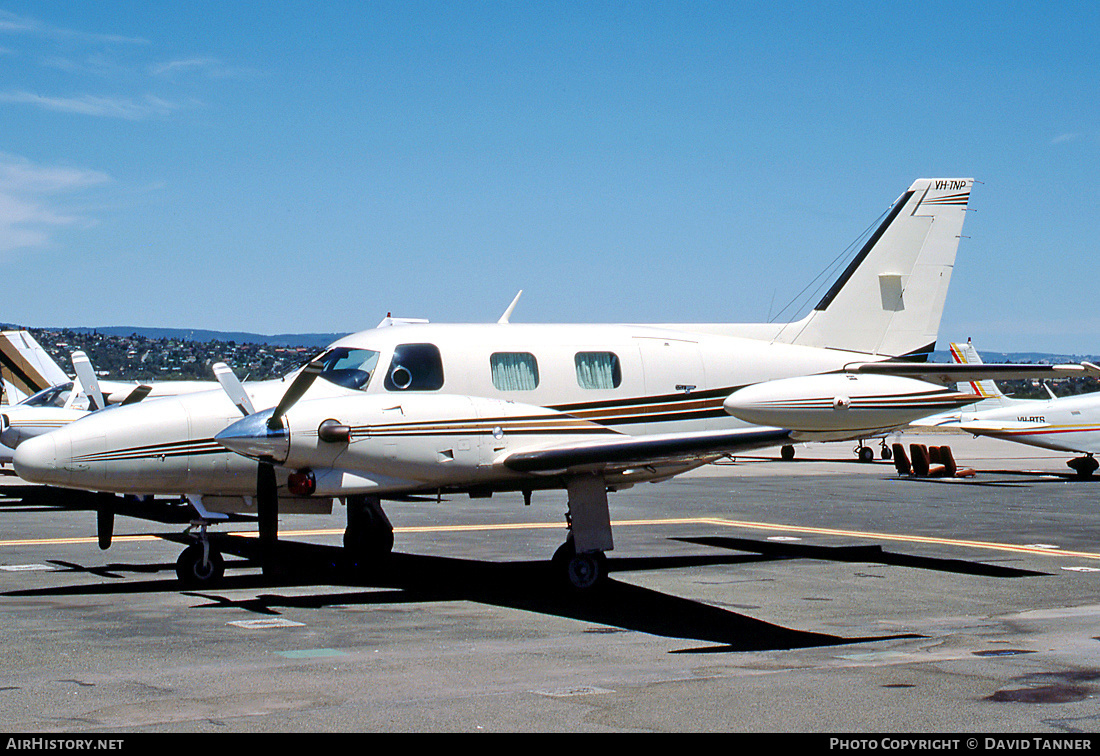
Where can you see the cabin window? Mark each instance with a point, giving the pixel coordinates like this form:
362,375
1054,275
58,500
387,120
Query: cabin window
350,368
415,367
598,370
514,371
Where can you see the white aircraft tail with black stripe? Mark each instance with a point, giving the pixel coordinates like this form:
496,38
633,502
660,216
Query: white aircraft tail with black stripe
26,367
890,298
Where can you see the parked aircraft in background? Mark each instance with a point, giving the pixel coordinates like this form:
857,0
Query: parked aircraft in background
1067,423
414,408
27,366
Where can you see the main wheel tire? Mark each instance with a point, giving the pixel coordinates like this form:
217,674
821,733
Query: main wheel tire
580,572
368,542
866,454
192,571
1084,466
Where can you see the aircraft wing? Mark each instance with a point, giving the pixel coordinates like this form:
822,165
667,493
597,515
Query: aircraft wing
641,450
947,373
981,427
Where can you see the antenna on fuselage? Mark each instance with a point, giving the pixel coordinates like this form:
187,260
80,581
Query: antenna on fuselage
508,313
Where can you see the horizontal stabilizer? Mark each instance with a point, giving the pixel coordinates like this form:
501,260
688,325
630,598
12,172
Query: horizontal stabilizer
947,373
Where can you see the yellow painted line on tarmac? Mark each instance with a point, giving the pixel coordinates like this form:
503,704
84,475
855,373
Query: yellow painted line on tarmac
717,521
904,538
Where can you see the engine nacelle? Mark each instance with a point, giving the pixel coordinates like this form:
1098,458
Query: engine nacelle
842,402
433,439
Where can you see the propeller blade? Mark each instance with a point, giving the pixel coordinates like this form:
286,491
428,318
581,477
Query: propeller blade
297,388
86,373
139,393
267,509
233,388
105,520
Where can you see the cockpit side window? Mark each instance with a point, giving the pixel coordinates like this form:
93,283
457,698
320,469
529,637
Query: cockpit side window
54,396
415,367
350,368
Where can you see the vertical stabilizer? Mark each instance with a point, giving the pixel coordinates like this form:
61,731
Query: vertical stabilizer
890,299
966,354
25,366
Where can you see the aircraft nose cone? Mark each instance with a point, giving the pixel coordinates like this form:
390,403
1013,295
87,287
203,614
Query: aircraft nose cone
252,437
36,461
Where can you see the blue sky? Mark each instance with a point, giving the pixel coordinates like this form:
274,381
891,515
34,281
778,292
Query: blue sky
309,167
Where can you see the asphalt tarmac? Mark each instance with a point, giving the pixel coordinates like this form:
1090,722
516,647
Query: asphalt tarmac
821,595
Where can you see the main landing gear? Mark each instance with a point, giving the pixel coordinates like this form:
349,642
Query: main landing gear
1084,466
579,563
867,454
368,538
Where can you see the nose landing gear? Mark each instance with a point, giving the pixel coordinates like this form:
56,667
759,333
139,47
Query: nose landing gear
200,564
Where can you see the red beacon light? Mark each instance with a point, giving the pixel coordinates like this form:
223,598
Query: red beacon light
301,483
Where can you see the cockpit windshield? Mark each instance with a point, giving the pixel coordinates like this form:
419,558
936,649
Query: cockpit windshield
350,368
54,396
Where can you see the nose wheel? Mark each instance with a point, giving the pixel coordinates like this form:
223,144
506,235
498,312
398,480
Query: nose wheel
200,564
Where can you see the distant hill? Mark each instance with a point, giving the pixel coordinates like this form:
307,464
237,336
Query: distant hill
316,340
1023,357
321,340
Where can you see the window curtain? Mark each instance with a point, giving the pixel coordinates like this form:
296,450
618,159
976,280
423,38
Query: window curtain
597,370
514,371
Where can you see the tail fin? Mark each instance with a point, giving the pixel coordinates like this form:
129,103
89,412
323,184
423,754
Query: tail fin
25,366
991,394
966,354
890,298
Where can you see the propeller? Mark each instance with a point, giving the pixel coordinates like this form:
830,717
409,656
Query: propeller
105,519
139,393
267,487
267,510
298,387
86,373
234,388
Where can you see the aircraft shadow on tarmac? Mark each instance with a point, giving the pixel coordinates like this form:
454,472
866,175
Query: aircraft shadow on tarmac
864,553
528,586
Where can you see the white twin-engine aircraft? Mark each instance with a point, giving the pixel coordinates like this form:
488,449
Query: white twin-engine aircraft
418,408
1062,423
